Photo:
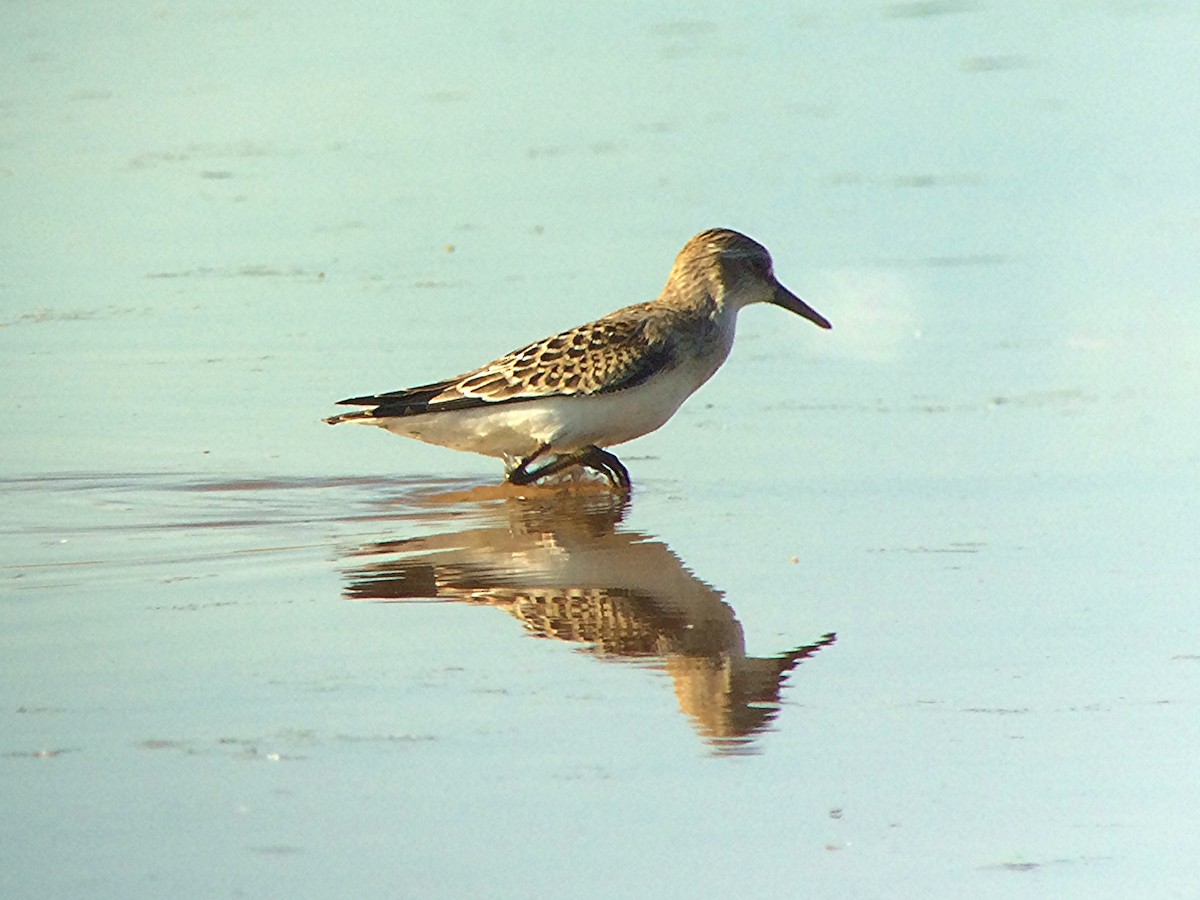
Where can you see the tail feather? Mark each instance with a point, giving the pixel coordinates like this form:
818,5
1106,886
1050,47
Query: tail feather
356,416
413,402
416,397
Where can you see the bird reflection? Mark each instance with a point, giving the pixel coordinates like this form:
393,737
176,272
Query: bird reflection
556,561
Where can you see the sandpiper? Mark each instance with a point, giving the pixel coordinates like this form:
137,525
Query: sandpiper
559,402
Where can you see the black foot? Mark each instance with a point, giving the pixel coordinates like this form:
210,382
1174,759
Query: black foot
590,457
607,465
522,475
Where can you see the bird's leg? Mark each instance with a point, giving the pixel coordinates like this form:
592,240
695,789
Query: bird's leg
590,457
522,475
607,464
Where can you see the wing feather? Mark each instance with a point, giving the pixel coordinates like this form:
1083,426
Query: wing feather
615,353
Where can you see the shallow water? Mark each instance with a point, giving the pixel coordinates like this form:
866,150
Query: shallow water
908,603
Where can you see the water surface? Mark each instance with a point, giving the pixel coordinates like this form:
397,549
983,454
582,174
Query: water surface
907,603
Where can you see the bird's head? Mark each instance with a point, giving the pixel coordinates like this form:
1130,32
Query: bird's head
735,269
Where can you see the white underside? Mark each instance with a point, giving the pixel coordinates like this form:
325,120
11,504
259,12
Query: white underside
512,431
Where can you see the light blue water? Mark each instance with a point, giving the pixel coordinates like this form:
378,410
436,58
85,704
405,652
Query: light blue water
215,221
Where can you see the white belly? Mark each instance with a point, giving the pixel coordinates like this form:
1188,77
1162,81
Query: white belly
516,429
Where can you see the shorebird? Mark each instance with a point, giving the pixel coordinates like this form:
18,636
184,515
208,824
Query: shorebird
558,402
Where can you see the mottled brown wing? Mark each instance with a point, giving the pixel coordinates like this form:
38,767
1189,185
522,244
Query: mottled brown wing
610,354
